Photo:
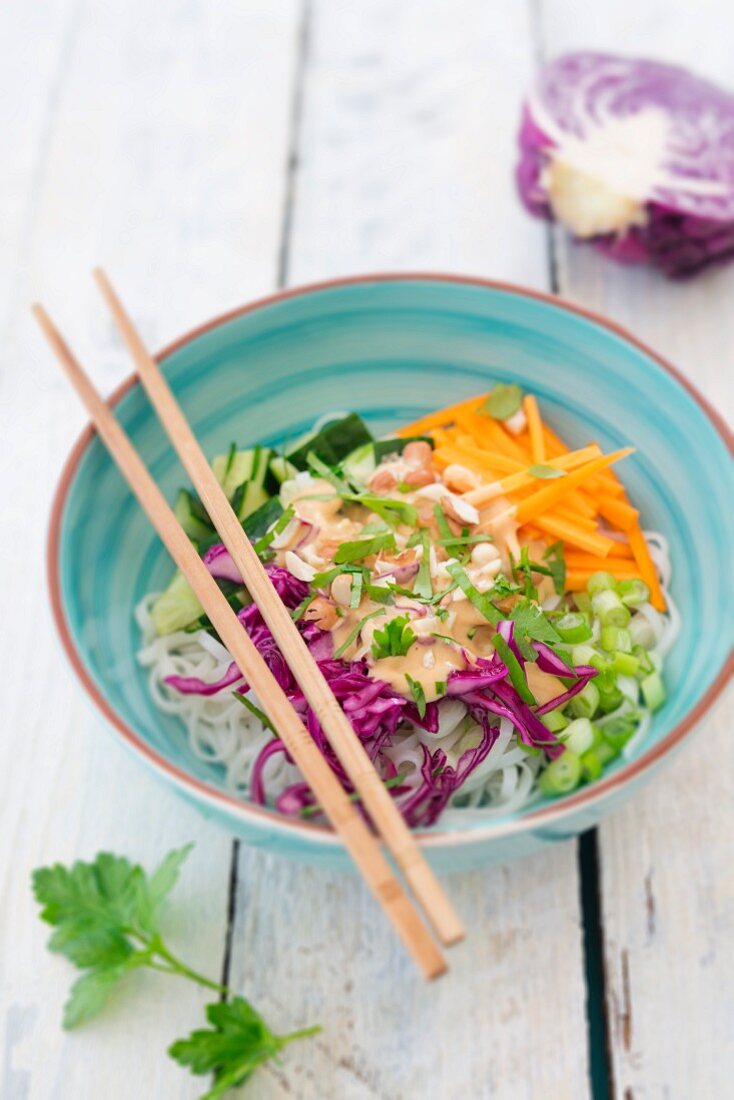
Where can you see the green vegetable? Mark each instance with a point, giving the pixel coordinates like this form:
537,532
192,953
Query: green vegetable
237,1043
262,544
384,447
332,443
561,775
641,632
481,601
192,517
600,582
422,585
618,732
514,669
419,695
503,402
354,634
653,691
248,498
392,511
176,608
395,638
554,720
646,664
557,564
106,919
263,519
592,765
616,639
259,714
546,472
611,611
633,592
572,628
532,625
625,664
578,736
322,470
586,703
364,548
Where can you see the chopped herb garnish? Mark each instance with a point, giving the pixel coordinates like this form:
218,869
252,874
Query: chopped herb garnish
255,711
503,588
547,472
354,796
514,669
422,585
419,695
392,511
481,601
355,591
354,634
503,402
364,548
444,637
326,472
320,581
557,566
442,523
263,543
395,638
463,540
531,625
298,612
230,459
440,687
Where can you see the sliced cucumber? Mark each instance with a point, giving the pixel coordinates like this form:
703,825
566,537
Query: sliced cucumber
192,516
360,464
248,498
231,470
332,443
260,521
176,608
279,470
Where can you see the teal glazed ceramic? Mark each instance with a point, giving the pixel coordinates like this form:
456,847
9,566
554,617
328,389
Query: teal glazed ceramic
393,348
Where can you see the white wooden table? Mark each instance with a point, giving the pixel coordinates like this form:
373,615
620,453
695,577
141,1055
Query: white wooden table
207,153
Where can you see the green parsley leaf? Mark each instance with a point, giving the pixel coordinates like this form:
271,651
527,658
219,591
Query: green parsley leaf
481,601
531,624
545,472
354,634
422,585
234,1046
503,402
394,640
363,548
419,695
557,566
88,995
515,670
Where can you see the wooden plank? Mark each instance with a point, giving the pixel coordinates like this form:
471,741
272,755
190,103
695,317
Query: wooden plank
667,890
153,138
407,131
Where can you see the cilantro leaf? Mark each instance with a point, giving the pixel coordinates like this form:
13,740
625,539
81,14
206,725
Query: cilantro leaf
481,601
419,695
557,565
363,548
236,1044
531,625
543,471
503,402
394,640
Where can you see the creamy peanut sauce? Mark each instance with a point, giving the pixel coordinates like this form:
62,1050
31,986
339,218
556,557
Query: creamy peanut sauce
323,521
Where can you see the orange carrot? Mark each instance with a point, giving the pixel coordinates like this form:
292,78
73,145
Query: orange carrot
544,499
535,427
646,566
619,513
441,417
577,579
524,478
561,529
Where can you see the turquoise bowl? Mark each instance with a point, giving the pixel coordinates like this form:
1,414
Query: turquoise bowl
393,348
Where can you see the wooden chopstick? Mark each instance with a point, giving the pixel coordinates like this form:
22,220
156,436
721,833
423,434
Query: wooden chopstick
382,810
341,812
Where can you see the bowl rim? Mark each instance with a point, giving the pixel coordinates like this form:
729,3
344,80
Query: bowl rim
231,804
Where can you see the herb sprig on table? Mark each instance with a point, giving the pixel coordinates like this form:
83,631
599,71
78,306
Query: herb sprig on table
106,918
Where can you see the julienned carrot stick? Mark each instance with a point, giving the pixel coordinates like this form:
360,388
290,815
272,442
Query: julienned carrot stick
544,499
524,478
617,511
535,427
599,545
580,561
562,511
442,417
646,566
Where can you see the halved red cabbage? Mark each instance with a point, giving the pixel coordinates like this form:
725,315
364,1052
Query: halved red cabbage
633,155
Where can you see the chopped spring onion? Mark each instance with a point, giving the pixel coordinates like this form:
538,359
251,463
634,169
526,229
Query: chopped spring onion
586,703
561,775
573,628
626,664
618,732
646,665
616,639
554,720
592,765
600,582
578,736
633,592
611,611
641,632
653,691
